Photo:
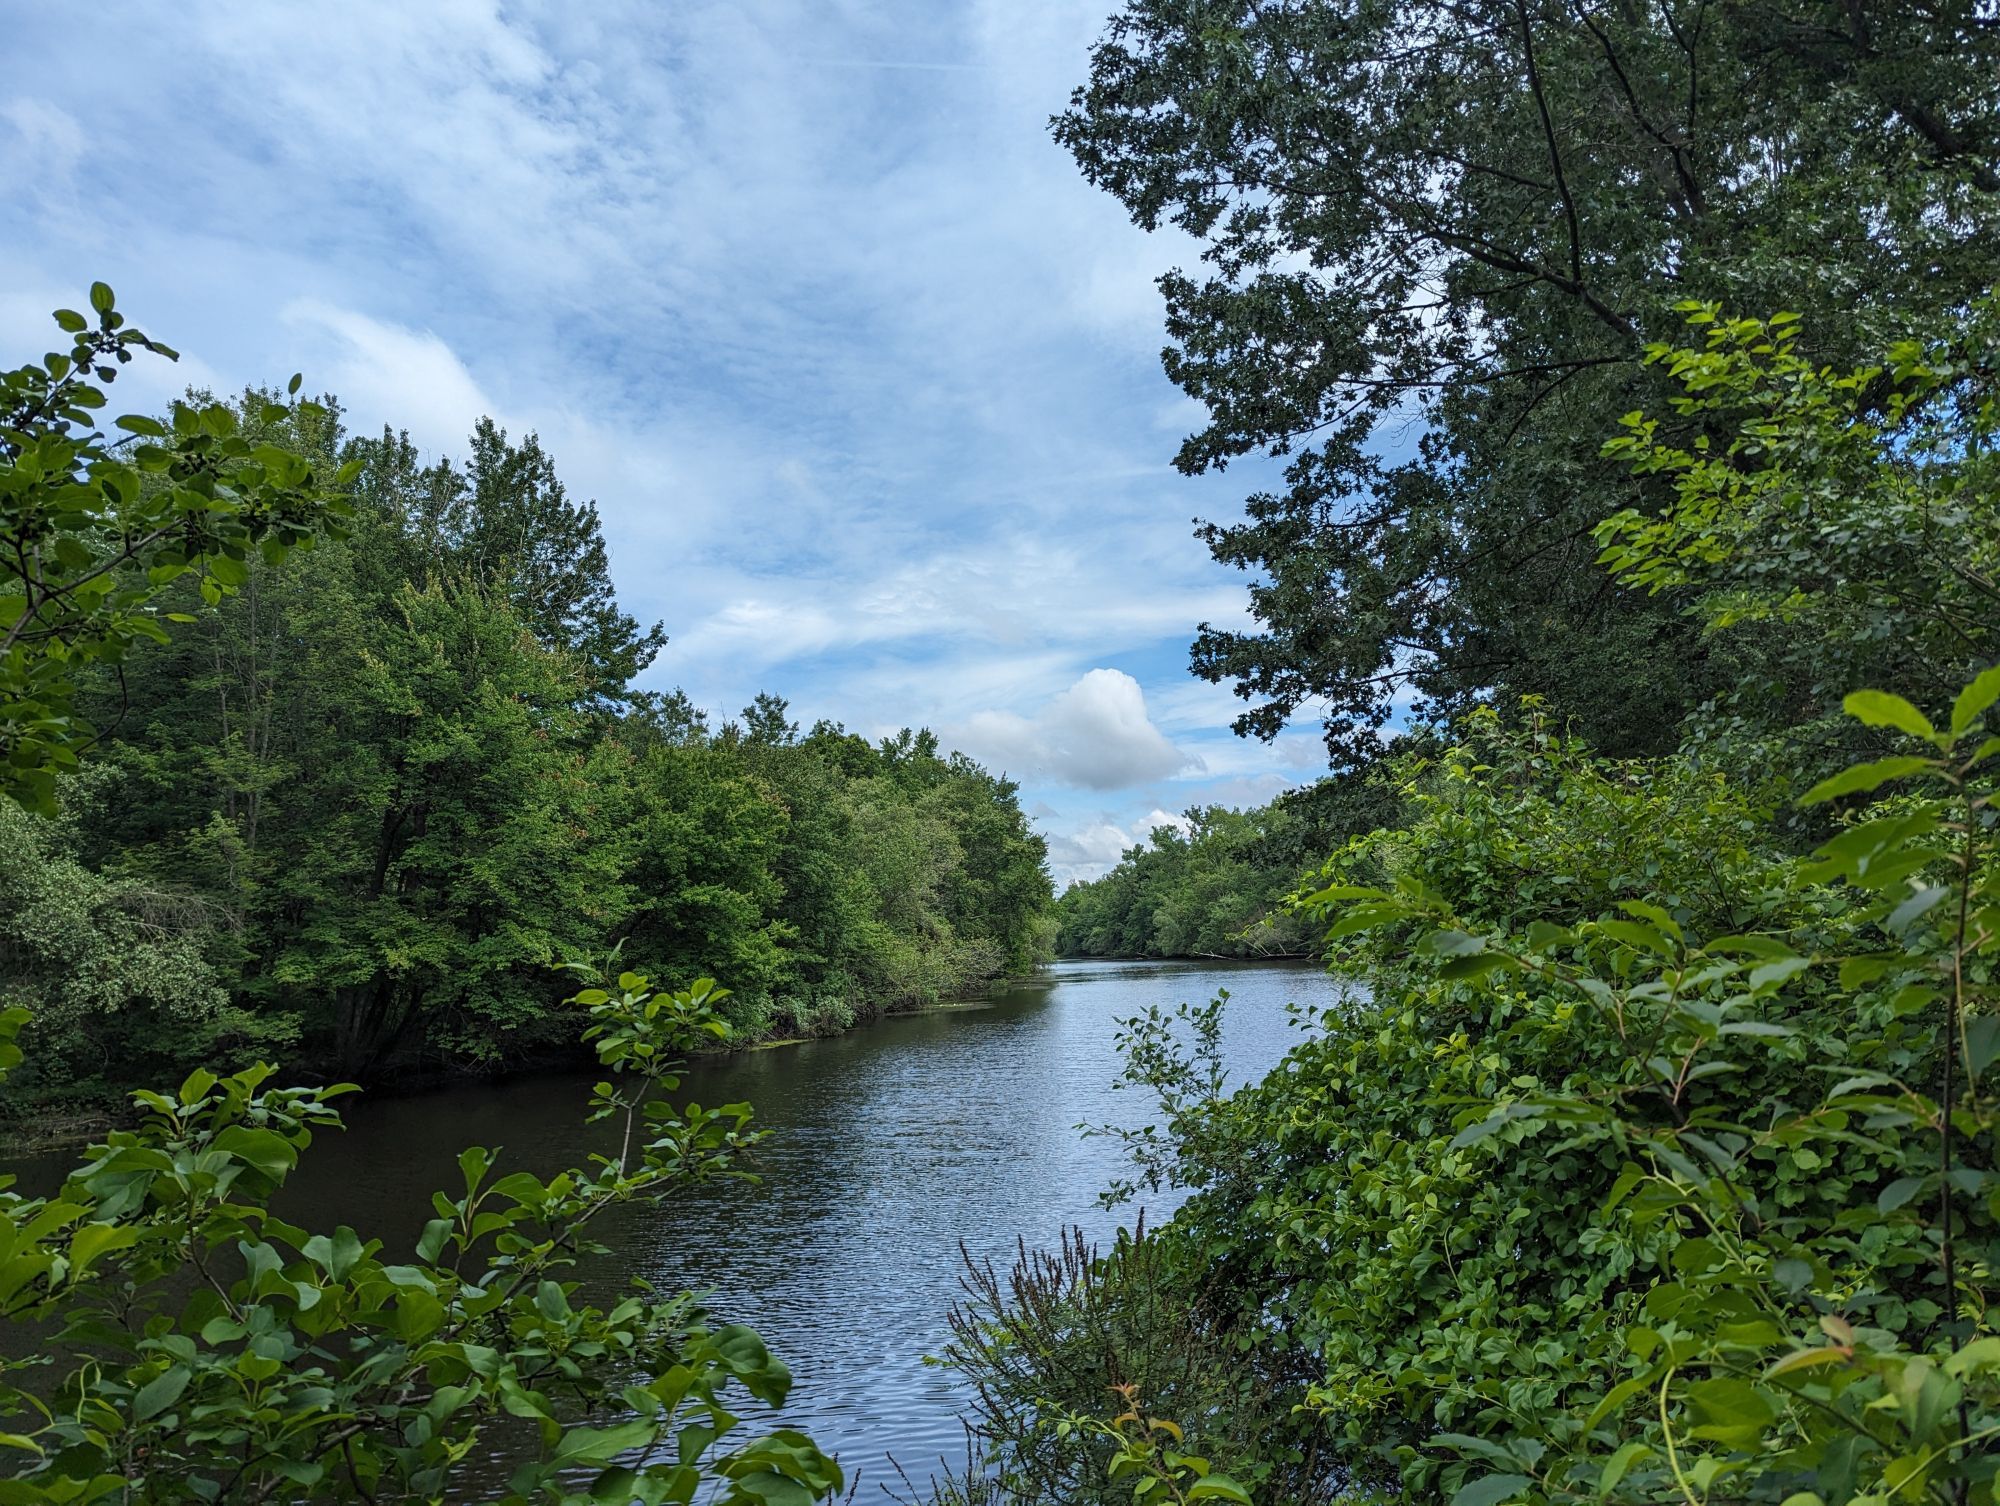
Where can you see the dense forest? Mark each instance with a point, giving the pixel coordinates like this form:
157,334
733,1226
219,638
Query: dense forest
1221,883
1634,378
356,812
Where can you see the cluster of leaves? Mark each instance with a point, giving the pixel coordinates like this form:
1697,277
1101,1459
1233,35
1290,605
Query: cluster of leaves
199,1348
1469,221
1841,534
1812,1177
1147,1454
92,529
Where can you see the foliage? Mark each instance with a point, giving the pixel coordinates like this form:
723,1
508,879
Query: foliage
93,528
309,1366
1842,536
1816,1196
1216,887
1048,1345
1435,241
115,971
388,781
198,1348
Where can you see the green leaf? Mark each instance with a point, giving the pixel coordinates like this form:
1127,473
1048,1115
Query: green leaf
1219,1486
1975,698
1914,908
1616,1466
1878,708
1733,1410
1451,944
1982,1042
101,298
1897,1193
1864,777
159,1393
1490,1490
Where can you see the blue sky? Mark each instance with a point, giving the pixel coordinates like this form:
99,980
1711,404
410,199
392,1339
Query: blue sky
862,374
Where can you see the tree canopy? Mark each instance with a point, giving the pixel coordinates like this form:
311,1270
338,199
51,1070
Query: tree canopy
1436,240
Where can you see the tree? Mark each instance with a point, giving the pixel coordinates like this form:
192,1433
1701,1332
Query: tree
1465,222
505,520
92,529
460,843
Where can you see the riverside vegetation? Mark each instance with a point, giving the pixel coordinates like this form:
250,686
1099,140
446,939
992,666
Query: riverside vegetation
355,807
1655,1157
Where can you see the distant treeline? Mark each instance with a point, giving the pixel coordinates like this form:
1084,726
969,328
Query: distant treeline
352,815
1218,886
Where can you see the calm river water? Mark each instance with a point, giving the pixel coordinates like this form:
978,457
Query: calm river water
889,1145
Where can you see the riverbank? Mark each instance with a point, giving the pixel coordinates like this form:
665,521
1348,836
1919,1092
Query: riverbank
32,1126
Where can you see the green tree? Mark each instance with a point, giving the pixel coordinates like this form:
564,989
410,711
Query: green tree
505,521
460,842
93,528
1464,223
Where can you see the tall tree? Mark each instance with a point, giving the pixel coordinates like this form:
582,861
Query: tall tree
1464,222
505,520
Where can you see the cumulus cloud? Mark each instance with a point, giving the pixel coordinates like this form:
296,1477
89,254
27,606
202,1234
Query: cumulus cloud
1095,736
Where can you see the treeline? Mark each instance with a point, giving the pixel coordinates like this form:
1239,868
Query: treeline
1220,886
353,812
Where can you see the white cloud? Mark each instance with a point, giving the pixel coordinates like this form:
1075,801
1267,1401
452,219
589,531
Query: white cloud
46,135
386,374
1088,852
1095,736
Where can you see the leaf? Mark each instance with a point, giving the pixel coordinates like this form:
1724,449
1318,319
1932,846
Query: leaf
1734,1411
1219,1485
101,298
1897,1193
1772,973
1878,708
1975,698
1490,1490
1864,777
159,1393
1806,1359
595,1445
1616,1466
1914,908
1451,944
1982,1042
1479,966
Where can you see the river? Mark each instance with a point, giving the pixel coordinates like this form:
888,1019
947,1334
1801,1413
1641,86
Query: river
888,1146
